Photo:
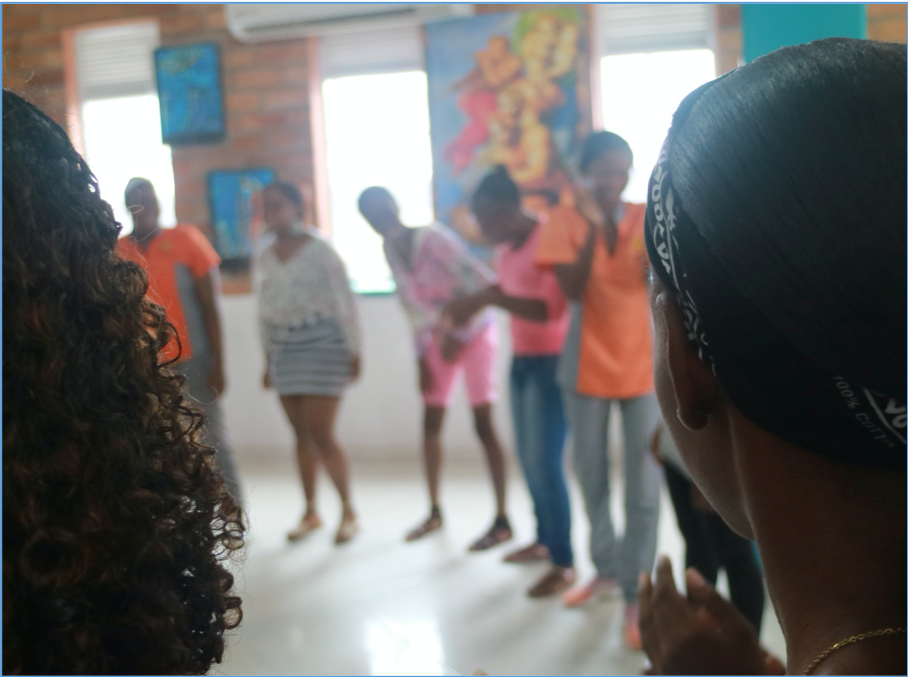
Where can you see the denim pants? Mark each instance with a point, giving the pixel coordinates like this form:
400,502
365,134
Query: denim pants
196,369
540,429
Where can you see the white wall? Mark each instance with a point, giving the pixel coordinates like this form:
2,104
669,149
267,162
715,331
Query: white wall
380,415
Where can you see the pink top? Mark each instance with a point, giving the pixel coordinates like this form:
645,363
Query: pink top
440,269
519,275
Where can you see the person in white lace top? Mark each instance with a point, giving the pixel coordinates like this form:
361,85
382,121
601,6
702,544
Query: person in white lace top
310,331
310,286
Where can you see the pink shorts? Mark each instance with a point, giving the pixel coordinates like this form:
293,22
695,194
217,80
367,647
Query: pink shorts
476,359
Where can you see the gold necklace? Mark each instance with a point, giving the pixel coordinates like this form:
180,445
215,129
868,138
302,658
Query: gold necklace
851,640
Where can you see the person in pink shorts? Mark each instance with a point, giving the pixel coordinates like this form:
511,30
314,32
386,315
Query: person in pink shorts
431,268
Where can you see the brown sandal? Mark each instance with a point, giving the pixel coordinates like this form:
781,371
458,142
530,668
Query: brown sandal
553,581
536,552
499,532
433,522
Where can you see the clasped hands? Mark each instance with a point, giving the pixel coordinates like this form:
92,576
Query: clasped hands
457,314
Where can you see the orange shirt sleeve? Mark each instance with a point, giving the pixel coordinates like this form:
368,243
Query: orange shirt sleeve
560,237
201,255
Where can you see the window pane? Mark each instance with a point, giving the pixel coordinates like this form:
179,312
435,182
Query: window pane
640,92
377,134
123,140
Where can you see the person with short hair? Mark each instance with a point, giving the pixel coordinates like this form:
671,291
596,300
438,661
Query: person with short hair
431,268
182,269
539,320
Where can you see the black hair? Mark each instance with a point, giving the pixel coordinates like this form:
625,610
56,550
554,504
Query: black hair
371,194
797,182
116,523
291,192
598,144
498,187
134,184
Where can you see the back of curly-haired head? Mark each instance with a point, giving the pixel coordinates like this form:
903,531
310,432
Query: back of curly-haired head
115,523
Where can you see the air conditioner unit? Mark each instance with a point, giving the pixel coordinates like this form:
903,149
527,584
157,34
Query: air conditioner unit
262,22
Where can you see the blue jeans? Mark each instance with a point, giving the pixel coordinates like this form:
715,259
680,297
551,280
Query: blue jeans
540,428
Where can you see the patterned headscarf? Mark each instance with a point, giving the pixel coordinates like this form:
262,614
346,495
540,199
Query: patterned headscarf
765,376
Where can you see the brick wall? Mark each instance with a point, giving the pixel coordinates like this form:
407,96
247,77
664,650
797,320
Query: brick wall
727,43
266,86
266,89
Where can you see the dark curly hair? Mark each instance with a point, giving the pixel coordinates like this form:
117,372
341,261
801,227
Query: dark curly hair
116,525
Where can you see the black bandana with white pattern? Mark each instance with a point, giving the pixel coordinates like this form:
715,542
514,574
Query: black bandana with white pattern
763,374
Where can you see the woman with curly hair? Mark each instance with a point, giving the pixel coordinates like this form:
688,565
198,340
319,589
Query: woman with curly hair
116,525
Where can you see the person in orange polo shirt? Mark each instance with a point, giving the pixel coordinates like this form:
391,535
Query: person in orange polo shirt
182,269
598,253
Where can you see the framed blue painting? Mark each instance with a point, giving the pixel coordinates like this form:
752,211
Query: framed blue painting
233,195
190,93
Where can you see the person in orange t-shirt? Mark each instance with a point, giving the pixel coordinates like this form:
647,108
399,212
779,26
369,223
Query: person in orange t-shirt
598,254
182,269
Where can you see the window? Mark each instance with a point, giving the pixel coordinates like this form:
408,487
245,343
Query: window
640,45
375,100
121,120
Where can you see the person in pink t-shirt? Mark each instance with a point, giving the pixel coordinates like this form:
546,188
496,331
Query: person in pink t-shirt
539,322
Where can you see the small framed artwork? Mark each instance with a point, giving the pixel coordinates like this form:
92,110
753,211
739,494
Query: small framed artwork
233,195
190,93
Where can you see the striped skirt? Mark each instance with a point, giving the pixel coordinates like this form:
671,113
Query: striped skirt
310,360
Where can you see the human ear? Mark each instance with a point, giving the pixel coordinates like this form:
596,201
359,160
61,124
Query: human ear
694,385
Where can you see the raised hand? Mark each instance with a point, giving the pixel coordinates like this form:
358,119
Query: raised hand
701,634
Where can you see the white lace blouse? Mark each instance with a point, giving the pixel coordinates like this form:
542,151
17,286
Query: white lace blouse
311,285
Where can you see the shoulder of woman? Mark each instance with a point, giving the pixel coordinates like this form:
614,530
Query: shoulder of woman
322,246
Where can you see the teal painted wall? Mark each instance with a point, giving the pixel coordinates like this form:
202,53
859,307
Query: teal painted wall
767,27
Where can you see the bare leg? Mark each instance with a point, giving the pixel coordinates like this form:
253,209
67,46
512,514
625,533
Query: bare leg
501,529
320,414
294,407
433,419
485,429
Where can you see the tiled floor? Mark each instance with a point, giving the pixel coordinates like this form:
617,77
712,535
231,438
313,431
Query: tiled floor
378,606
